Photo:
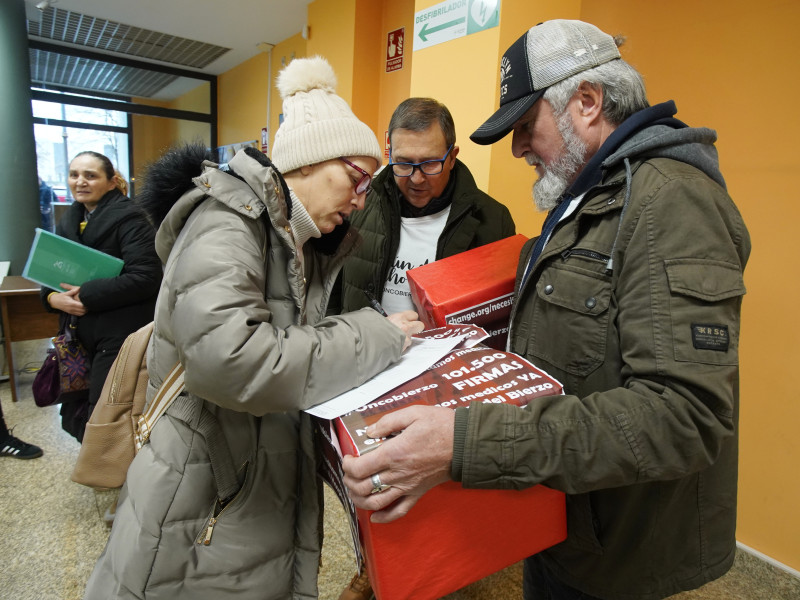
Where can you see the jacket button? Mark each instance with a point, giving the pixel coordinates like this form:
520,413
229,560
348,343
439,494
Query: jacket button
248,207
611,200
287,228
548,289
591,302
205,183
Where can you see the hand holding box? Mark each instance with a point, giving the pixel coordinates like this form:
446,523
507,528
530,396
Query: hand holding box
454,536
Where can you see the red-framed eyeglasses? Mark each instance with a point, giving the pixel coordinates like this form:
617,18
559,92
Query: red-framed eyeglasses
362,185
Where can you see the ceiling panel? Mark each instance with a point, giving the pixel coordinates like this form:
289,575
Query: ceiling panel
108,36
52,68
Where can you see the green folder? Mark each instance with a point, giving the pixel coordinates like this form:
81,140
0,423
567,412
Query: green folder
54,260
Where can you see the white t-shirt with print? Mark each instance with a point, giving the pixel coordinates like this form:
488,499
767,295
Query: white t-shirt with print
418,239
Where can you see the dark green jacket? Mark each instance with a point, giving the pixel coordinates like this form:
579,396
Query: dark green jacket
645,441
475,219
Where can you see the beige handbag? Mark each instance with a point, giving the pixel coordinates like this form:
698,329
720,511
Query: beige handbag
118,425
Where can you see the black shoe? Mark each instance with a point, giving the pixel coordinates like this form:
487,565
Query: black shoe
16,448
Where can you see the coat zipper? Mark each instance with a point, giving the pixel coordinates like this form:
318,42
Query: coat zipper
204,538
585,253
209,530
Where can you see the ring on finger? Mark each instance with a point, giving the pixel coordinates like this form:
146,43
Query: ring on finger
377,485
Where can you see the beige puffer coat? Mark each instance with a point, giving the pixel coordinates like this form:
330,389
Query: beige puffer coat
256,351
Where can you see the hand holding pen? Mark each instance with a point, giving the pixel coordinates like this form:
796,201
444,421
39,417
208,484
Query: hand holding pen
373,302
406,320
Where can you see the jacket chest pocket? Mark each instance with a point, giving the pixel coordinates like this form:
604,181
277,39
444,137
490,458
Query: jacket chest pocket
569,324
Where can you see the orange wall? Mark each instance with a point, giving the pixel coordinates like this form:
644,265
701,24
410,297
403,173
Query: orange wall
151,135
242,101
247,98
196,100
332,26
367,59
726,65
395,86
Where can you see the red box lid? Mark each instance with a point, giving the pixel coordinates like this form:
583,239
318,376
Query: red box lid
474,287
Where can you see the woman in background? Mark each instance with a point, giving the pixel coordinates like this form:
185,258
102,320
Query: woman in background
109,309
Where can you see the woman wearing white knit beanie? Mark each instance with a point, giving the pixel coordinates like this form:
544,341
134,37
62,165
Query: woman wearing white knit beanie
321,144
224,500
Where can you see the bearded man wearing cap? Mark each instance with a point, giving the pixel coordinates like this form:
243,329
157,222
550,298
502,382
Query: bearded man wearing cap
631,297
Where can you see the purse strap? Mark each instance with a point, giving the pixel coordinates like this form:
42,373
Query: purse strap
70,329
170,389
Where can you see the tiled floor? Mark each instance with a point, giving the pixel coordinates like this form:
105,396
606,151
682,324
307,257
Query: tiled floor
52,531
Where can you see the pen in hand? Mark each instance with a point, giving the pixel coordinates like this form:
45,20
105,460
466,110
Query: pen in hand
373,302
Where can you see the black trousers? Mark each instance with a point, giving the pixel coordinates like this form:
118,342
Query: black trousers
3,427
538,583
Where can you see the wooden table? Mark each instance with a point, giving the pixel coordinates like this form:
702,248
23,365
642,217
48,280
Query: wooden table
24,318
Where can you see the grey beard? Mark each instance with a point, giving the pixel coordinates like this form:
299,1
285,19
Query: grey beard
548,189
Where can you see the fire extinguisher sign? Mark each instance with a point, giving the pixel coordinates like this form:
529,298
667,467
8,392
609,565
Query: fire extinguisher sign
395,41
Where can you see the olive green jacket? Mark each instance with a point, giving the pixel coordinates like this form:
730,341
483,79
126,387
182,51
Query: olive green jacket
634,306
475,219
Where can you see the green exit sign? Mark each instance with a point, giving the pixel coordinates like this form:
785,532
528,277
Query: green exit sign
454,19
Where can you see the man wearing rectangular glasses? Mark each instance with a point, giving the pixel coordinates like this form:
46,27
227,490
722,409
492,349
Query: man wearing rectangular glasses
424,206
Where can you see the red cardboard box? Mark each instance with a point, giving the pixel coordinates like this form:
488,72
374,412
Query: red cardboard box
472,287
454,536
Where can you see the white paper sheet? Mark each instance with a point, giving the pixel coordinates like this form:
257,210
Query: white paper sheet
421,355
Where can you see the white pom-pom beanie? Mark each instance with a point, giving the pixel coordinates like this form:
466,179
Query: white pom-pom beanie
317,124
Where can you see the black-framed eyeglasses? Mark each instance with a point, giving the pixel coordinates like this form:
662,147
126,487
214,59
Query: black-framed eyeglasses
426,167
362,185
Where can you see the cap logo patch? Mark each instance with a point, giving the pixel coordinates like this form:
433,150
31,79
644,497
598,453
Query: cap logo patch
505,72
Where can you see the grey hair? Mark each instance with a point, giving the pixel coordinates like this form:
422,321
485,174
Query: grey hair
417,114
622,86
